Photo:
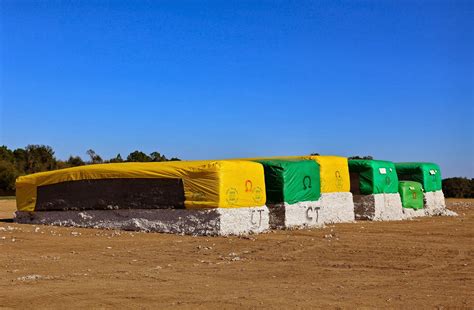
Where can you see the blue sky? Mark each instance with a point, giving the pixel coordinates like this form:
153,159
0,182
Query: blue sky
218,79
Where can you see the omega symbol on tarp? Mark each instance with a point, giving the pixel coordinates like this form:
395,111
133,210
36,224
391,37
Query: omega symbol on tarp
414,195
306,182
232,196
248,186
338,179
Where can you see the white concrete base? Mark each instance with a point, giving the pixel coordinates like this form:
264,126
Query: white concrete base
222,222
411,213
336,208
298,215
436,205
379,207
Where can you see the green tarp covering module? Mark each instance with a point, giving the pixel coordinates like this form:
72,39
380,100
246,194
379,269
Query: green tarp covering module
373,177
411,194
291,181
428,174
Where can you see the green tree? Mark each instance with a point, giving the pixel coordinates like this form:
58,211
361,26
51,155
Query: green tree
61,164
6,154
362,157
117,159
8,175
458,187
95,158
156,156
138,156
74,161
39,158
20,160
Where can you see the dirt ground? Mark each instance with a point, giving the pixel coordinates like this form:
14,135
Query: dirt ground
422,263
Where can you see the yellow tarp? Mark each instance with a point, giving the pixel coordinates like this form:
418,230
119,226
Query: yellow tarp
334,171
207,184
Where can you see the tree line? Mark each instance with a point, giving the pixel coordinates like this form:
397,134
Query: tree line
458,187
38,158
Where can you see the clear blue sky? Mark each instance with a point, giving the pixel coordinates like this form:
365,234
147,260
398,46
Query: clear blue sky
220,79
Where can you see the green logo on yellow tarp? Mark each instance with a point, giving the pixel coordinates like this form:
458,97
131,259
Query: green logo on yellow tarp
257,194
338,180
232,196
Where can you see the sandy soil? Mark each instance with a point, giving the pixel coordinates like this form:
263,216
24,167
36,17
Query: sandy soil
421,263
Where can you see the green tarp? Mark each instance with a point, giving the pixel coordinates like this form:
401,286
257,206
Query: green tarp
411,194
373,176
428,174
291,181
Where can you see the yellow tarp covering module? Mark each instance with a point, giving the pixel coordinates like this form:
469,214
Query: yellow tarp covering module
207,184
334,171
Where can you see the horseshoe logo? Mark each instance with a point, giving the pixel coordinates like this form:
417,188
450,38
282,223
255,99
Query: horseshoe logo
338,179
306,182
248,186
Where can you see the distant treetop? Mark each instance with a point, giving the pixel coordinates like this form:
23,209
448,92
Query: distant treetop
362,157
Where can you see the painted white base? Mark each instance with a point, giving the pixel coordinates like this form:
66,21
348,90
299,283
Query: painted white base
220,221
411,213
298,215
379,207
336,208
436,205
